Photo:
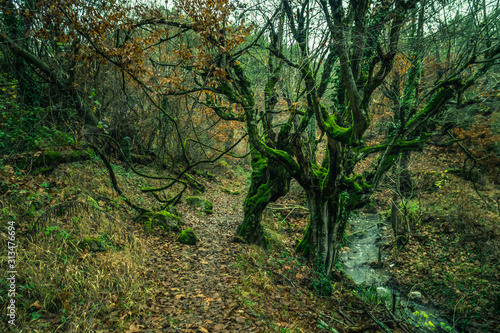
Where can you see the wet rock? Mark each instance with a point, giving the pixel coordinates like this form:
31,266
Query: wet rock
383,292
415,295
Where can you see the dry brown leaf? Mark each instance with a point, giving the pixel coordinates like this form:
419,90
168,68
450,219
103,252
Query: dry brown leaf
36,305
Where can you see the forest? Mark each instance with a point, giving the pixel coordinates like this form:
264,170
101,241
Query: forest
250,166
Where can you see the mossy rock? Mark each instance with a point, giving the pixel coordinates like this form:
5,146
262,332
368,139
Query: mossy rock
187,237
173,210
206,175
200,202
163,219
93,244
194,184
230,192
370,208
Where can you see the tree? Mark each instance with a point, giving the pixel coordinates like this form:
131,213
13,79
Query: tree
361,42
311,128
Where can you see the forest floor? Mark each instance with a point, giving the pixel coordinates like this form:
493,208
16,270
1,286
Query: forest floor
139,281
452,255
222,286
84,266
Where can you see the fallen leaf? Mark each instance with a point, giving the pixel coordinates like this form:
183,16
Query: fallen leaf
36,305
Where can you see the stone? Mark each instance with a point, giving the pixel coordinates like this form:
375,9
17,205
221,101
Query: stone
93,244
415,295
163,219
200,202
383,292
187,237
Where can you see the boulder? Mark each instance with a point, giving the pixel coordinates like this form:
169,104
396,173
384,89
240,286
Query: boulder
163,219
200,202
383,292
188,237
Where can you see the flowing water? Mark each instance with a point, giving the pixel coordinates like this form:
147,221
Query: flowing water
360,263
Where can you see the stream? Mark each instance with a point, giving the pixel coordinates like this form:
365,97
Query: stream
360,264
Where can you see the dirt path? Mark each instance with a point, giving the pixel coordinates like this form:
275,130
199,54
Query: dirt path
197,285
221,286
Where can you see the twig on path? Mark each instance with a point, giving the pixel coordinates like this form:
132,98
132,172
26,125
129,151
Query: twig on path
379,323
345,316
323,325
332,318
398,321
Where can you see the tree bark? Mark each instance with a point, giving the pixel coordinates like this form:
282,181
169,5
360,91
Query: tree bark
269,181
327,222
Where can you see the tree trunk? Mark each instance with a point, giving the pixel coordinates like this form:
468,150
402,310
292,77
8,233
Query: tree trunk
406,186
403,191
269,181
326,226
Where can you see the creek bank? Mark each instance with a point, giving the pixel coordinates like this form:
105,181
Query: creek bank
363,261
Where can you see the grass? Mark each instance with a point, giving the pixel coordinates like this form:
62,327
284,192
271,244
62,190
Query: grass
76,266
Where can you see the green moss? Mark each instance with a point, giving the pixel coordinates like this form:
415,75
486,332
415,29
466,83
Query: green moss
94,203
52,156
200,202
441,96
163,219
148,225
259,198
188,237
76,154
338,133
93,244
42,171
304,247
319,172
194,183
169,215
230,192
357,184
285,157
251,230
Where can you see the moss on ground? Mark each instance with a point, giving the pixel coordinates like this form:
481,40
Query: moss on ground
187,237
200,202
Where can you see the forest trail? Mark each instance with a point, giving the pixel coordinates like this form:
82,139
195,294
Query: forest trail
196,285
222,286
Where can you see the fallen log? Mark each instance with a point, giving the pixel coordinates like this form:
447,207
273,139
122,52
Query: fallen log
46,161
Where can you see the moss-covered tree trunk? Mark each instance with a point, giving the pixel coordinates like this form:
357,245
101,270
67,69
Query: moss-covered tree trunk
327,222
269,181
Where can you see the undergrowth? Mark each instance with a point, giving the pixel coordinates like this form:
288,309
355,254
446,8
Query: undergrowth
452,256
77,260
